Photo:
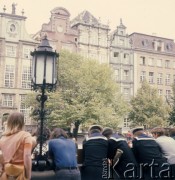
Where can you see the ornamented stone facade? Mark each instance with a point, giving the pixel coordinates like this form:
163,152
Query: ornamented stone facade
133,57
58,31
15,59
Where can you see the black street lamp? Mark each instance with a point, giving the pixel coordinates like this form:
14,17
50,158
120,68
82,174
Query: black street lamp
44,77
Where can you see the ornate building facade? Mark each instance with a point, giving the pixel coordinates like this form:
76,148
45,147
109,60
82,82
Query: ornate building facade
93,37
133,57
58,31
121,59
15,59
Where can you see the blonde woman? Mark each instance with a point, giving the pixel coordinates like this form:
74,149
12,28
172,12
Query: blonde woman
16,145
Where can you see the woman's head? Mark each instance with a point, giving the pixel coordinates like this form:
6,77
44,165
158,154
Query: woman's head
158,131
15,123
57,132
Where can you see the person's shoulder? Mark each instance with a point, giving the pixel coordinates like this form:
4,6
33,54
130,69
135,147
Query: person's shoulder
25,133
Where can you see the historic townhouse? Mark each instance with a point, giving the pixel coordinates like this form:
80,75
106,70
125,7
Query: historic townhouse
93,37
154,60
58,31
15,76
121,59
133,57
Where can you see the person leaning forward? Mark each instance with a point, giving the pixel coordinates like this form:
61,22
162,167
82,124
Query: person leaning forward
16,146
148,154
118,147
95,146
63,152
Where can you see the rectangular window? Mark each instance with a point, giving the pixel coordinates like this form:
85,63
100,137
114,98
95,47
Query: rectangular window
160,92
142,60
167,79
160,78
7,100
126,75
116,54
26,77
159,62
24,109
9,76
151,77
26,52
126,122
168,94
142,76
10,51
167,64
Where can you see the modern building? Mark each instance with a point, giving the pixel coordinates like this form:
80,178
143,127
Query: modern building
15,59
154,61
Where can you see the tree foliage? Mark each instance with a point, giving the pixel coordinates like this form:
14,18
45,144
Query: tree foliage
86,92
148,108
171,102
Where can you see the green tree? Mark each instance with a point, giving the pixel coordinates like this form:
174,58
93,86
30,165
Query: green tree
86,94
171,103
148,108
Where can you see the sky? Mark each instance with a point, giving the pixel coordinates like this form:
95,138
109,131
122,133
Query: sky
152,17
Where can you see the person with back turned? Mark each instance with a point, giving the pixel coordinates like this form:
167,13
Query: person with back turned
95,148
16,146
120,154
152,163
63,152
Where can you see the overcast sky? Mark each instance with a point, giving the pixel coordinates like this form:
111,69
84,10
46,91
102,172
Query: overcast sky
152,17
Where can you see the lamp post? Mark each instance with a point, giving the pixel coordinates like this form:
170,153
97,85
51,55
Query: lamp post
44,77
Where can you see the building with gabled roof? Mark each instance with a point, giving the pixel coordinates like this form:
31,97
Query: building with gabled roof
58,31
15,59
93,37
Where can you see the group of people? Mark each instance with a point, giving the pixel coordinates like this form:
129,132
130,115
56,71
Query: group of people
149,157
17,145
105,154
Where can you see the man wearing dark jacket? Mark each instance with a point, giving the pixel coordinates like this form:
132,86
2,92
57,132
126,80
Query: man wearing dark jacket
125,166
152,164
95,148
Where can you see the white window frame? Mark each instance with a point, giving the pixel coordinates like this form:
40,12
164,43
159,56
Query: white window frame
7,100
11,50
160,78
142,76
151,77
9,76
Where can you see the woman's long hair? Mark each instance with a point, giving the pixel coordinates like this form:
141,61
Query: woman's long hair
57,132
15,123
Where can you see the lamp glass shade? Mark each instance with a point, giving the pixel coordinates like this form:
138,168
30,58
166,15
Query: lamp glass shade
44,68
